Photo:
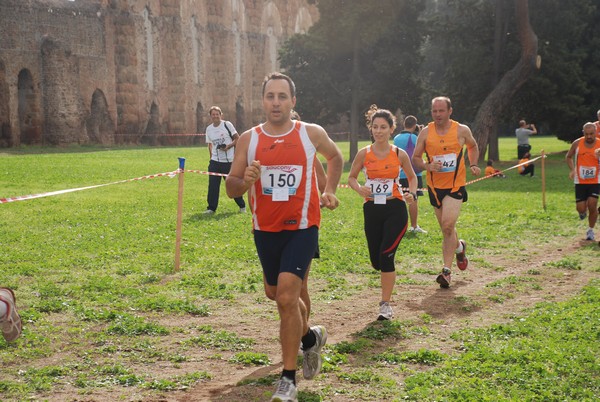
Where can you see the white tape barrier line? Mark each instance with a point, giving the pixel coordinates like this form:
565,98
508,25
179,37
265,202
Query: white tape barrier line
174,173
72,190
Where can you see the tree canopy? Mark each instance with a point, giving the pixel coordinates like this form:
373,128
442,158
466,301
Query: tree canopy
401,53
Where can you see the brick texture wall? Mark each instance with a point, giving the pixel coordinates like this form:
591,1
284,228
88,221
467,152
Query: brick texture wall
125,71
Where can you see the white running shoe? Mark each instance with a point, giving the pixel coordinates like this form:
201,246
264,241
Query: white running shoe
286,391
590,234
311,363
418,229
10,324
385,311
208,212
410,229
243,210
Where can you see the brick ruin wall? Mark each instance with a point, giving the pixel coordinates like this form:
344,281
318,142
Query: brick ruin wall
125,71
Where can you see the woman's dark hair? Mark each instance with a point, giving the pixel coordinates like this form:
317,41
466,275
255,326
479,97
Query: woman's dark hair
375,112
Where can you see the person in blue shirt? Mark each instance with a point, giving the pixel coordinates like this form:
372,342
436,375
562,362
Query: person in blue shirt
407,139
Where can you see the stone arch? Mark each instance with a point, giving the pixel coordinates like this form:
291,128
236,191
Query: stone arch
303,21
100,127
271,27
5,129
28,110
153,127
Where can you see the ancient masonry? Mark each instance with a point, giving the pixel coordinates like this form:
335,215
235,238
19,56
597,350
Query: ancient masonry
123,71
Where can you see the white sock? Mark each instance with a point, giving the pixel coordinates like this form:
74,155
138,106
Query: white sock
3,310
459,249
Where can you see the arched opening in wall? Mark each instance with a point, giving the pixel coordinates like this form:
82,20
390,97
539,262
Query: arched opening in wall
153,127
240,124
199,124
28,110
5,130
100,127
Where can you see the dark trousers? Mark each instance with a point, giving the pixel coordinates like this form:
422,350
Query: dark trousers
522,150
214,184
528,170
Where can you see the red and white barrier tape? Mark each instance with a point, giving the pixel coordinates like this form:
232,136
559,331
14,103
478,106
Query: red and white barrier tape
72,190
176,172
140,135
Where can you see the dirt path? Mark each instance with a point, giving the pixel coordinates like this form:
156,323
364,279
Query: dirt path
468,303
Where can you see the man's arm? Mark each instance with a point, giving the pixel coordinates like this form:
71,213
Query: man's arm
241,176
335,163
321,175
569,158
417,158
472,148
234,137
533,129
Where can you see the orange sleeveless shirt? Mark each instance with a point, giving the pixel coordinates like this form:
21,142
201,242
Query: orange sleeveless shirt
285,197
382,174
446,149
587,166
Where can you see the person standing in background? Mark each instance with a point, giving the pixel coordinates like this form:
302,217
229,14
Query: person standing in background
221,138
523,132
406,140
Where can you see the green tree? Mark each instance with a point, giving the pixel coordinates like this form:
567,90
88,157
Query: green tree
358,53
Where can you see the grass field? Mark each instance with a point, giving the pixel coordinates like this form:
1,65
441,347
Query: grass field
93,273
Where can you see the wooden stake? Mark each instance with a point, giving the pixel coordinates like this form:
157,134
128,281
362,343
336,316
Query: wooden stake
543,179
179,214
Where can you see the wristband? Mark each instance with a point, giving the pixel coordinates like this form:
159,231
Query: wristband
473,165
415,196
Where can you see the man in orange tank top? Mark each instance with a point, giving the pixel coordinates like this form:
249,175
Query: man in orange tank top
275,163
583,159
443,142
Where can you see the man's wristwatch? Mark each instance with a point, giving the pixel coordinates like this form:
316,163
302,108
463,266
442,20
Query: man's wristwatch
415,196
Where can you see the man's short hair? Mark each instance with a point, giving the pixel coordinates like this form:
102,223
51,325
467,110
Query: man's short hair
444,99
218,109
410,121
279,76
522,123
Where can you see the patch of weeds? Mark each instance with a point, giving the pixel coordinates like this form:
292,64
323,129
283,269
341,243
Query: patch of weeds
467,303
129,325
425,271
509,280
307,396
534,271
497,299
366,376
177,358
222,340
162,303
263,381
410,281
380,330
568,262
421,356
42,379
331,361
250,359
354,347
426,318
